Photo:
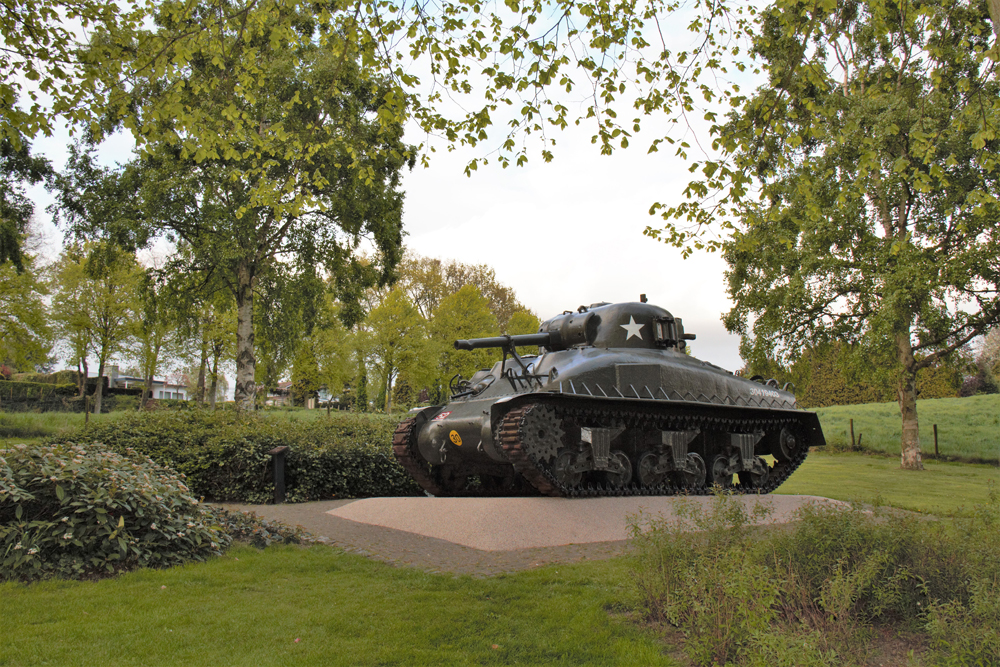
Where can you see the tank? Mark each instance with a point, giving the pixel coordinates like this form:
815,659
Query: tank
610,405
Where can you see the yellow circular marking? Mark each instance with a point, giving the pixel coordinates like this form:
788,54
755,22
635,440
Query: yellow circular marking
455,438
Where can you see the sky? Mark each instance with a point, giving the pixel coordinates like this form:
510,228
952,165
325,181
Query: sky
562,234
570,233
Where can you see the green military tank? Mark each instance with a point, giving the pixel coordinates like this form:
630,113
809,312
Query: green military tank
611,405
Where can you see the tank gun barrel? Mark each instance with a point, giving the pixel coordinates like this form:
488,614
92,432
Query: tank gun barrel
543,339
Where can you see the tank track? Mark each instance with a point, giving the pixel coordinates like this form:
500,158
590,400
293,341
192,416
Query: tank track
542,478
404,446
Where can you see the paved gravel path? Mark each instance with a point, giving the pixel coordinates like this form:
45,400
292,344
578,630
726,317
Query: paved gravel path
488,536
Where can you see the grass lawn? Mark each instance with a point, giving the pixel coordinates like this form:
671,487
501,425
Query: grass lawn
318,606
942,488
968,428
36,426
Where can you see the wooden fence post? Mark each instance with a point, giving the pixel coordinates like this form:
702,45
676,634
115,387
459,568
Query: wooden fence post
853,445
935,442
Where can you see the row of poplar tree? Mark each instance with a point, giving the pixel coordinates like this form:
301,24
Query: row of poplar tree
98,304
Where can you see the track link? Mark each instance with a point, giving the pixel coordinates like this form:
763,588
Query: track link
541,477
404,446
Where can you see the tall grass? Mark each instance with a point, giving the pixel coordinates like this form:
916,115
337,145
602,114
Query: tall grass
819,591
968,428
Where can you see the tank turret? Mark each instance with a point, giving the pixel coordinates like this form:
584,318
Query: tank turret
610,405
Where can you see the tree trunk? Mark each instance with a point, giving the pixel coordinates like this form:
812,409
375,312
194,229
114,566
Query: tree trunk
246,363
100,387
81,377
200,397
994,8
216,353
907,388
147,391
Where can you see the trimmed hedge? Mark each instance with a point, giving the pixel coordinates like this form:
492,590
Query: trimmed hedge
224,454
39,391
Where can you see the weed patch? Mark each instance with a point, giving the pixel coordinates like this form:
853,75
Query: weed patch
819,591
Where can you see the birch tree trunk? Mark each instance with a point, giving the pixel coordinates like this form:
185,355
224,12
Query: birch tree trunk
246,363
907,388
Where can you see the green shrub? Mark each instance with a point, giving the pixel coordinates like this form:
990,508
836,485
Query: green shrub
79,511
224,454
20,391
815,593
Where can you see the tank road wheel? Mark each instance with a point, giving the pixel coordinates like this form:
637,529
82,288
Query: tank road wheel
788,446
624,474
696,478
756,478
646,467
562,468
719,476
542,433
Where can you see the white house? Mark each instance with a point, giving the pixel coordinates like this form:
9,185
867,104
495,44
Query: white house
160,388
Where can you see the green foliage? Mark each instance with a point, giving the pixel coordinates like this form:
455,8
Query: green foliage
461,315
17,168
25,333
720,602
839,374
21,391
224,455
820,587
394,338
80,511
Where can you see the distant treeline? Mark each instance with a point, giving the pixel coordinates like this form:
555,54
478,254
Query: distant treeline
835,374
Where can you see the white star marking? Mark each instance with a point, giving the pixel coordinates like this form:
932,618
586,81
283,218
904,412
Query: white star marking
632,328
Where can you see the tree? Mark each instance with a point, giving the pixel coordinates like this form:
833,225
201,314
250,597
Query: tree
394,338
17,167
95,302
428,281
25,336
462,315
71,311
859,186
330,350
40,62
305,164
153,334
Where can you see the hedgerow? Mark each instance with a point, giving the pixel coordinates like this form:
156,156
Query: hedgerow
71,510
224,454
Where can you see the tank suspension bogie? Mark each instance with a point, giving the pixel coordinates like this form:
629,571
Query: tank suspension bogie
625,452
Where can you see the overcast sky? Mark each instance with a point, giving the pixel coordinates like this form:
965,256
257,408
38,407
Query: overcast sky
561,234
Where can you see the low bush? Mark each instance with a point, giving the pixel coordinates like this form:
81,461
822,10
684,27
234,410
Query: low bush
224,455
816,593
78,511
40,391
